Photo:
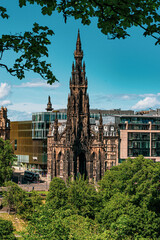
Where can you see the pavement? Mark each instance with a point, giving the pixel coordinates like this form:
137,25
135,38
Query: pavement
42,186
18,177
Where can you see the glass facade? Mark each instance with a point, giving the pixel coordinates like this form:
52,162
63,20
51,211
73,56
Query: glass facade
155,146
142,136
28,151
139,120
138,144
41,122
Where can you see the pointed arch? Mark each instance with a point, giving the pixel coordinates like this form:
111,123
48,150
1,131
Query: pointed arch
82,164
58,163
93,165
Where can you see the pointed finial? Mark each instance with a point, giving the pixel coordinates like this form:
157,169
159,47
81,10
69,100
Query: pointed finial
78,44
100,119
49,99
49,105
78,53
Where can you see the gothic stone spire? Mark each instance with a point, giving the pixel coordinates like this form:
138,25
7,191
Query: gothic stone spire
78,101
78,53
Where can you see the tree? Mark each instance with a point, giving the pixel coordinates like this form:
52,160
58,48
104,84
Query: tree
18,199
57,196
6,161
6,230
79,195
13,196
83,197
48,223
131,199
115,17
30,47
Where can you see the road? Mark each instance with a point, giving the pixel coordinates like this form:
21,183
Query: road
18,177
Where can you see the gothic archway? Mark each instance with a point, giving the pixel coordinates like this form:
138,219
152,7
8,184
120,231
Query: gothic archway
94,166
58,163
82,164
91,164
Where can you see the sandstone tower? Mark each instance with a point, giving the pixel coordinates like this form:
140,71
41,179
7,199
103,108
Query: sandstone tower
4,124
73,148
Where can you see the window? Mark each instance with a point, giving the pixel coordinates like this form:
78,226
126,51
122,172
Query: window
112,128
105,128
15,144
96,128
105,166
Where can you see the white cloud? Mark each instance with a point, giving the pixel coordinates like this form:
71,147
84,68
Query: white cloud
5,102
28,107
147,95
23,111
19,116
37,83
125,97
147,102
4,90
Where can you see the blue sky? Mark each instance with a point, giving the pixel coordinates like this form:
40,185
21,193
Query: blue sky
121,73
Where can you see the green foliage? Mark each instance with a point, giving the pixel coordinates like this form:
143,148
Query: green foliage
47,224
30,48
126,206
6,161
57,195
19,200
6,230
122,217
138,178
131,199
78,195
13,196
81,227
60,224
69,212
83,197
114,17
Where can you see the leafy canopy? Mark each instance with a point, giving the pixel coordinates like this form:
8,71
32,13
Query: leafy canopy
20,201
115,17
125,206
6,230
30,48
6,161
131,196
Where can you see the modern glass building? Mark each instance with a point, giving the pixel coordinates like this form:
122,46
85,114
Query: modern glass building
140,135
30,153
42,120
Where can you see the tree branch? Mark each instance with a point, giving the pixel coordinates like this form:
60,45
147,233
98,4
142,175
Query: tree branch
120,13
8,70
